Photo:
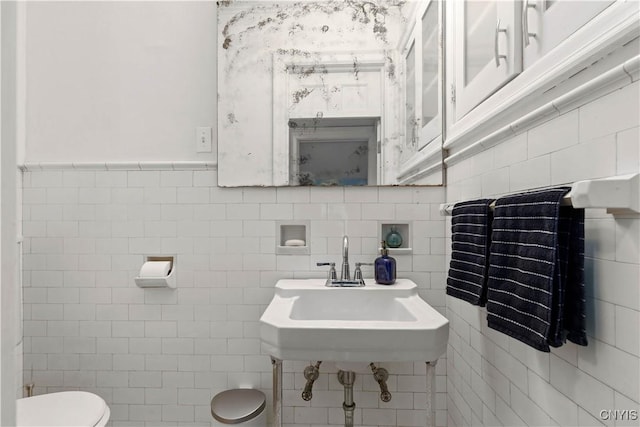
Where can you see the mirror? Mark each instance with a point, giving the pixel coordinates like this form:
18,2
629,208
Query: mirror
325,93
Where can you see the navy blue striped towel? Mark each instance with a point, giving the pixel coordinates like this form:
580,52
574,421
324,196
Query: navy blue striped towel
470,240
536,270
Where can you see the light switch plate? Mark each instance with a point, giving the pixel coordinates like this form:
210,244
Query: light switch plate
203,139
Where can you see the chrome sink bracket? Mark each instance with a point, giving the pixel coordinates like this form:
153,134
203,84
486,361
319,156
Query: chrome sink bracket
381,375
347,378
276,416
431,393
311,373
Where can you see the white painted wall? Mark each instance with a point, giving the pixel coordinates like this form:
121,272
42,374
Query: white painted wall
113,81
9,289
493,379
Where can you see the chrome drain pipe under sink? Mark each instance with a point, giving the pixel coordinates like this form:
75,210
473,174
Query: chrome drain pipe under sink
347,378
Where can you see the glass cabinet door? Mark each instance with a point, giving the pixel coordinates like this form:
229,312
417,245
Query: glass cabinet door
423,78
546,23
431,82
487,52
410,98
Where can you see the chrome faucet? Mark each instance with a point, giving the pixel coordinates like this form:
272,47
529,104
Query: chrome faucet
344,271
345,277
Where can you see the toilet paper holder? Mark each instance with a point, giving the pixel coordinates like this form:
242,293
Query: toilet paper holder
157,272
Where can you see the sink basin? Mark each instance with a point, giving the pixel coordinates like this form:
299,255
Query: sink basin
376,323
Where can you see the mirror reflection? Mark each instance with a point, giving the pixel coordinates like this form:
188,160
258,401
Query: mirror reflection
333,151
316,92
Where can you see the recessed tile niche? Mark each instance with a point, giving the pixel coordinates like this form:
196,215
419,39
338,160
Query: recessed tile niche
404,228
292,237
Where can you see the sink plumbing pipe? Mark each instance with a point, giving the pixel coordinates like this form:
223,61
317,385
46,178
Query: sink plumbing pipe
28,389
381,375
347,378
311,373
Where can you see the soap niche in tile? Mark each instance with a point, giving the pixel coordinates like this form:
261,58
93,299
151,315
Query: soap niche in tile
402,228
292,237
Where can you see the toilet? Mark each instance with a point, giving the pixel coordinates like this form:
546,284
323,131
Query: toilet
62,409
243,406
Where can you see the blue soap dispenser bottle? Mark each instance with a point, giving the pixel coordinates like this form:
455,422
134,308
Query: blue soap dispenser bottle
385,267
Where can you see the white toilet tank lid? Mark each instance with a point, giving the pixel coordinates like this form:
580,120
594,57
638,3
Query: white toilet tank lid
65,408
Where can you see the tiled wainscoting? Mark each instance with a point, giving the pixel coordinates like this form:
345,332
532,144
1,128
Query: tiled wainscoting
158,356
495,380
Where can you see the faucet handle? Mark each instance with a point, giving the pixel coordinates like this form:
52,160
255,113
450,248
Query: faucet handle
357,273
358,264
332,270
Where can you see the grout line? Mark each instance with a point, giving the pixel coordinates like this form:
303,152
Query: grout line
133,165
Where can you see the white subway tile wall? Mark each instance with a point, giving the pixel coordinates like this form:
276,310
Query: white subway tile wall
158,356
495,380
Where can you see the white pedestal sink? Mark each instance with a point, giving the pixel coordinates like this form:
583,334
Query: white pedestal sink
309,321
376,323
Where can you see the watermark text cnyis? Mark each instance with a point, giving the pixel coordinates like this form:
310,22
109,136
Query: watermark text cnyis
619,414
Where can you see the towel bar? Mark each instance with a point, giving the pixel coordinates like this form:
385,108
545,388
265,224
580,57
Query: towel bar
618,194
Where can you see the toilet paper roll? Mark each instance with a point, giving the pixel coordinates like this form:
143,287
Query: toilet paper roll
155,269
